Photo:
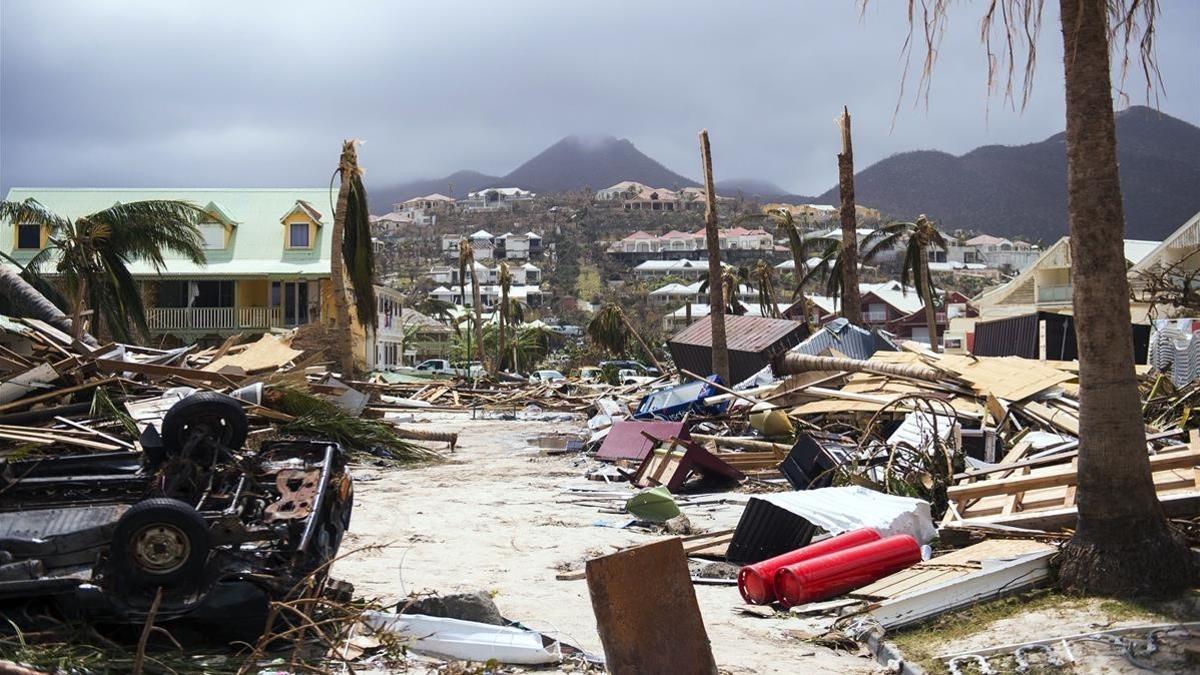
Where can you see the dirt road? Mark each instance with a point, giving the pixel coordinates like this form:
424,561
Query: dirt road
490,521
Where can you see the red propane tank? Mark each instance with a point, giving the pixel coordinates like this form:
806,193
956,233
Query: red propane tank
757,582
835,573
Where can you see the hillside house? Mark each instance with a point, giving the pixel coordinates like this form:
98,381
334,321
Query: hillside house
495,199
653,199
626,189
487,246
736,242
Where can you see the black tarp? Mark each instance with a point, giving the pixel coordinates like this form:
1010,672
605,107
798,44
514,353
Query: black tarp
1018,336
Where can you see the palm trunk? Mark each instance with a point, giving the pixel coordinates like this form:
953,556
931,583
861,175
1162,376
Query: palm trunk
478,302
795,243
927,298
503,325
716,291
79,304
851,300
1122,543
337,267
645,348
28,301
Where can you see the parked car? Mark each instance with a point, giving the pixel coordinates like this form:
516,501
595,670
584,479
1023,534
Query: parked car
443,368
589,374
546,376
632,376
632,365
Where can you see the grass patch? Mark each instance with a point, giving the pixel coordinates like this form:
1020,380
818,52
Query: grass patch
588,284
922,643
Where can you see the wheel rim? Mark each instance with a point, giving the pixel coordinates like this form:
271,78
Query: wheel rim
160,548
212,426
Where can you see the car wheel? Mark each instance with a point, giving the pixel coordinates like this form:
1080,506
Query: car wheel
220,417
159,542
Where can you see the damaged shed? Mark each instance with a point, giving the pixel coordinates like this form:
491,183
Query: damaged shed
752,341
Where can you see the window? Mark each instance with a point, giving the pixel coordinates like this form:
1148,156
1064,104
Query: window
214,235
298,235
29,236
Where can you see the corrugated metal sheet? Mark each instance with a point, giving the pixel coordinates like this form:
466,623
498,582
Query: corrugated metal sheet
840,334
752,342
1018,336
625,439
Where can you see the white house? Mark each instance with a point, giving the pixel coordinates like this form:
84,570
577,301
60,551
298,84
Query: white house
623,190
495,199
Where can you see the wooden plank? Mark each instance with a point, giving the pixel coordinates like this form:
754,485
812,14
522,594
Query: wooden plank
57,393
116,366
646,611
1060,477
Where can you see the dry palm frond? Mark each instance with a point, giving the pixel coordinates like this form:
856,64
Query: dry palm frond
317,416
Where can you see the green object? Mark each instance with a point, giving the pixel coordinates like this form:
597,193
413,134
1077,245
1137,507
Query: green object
654,504
255,250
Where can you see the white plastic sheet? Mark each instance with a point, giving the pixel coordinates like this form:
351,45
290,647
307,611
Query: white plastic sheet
841,509
466,640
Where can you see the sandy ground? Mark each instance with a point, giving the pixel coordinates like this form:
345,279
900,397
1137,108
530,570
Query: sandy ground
490,521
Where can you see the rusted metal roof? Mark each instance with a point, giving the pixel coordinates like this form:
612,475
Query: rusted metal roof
752,342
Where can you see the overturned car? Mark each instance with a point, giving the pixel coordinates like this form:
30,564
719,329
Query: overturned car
218,530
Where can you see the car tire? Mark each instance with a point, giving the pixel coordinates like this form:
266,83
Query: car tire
223,416
159,542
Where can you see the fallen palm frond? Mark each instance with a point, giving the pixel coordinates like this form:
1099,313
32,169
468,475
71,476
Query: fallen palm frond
317,416
104,407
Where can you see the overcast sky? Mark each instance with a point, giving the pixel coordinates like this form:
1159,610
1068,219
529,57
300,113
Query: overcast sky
213,93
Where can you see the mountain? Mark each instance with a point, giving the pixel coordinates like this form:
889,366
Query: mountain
575,162
382,197
593,161
1022,190
749,187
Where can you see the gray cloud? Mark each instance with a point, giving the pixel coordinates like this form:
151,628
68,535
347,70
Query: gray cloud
138,92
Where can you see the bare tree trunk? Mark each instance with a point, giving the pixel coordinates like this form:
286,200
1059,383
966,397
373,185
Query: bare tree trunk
851,301
716,281
503,321
347,165
1122,543
927,297
646,348
478,302
80,303
28,301
794,243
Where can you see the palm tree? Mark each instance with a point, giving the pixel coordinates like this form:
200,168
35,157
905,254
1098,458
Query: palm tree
91,255
731,281
920,236
505,279
352,257
828,270
1121,546
785,223
766,289
466,265
610,330
437,309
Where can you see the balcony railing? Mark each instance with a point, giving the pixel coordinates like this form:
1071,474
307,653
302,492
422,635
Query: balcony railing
213,318
1054,293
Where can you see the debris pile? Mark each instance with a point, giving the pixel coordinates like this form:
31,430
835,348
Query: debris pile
885,490
184,487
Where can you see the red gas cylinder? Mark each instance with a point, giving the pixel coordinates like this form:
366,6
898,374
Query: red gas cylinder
835,573
757,582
